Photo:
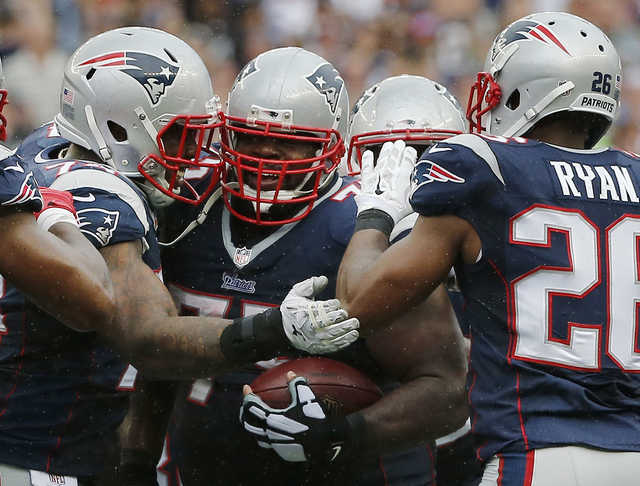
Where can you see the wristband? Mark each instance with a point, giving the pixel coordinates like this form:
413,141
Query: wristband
341,438
256,337
50,216
374,219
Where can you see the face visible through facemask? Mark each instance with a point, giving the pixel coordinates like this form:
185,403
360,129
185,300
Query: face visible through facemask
288,168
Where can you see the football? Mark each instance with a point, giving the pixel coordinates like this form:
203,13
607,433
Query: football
340,388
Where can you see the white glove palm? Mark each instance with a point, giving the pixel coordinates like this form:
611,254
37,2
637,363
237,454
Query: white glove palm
317,327
386,186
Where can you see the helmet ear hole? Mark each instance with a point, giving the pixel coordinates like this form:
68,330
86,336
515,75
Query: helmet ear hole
118,132
513,102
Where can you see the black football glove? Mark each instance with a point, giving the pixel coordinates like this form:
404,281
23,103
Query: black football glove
301,432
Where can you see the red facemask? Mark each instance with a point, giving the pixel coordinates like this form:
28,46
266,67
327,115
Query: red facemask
238,168
3,119
484,96
419,136
186,142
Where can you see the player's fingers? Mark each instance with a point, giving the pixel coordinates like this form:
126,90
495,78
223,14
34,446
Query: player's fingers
388,164
292,388
368,176
410,156
345,340
385,153
329,305
290,375
304,288
290,452
318,284
246,389
332,317
257,431
367,163
339,329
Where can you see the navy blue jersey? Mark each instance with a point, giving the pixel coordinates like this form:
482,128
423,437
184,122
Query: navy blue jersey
555,355
63,392
210,273
18,186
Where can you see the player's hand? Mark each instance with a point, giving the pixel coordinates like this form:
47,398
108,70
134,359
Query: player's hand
57,207
385,185
299,433
317,327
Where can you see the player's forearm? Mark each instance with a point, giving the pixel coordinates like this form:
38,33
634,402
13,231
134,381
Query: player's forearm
72,286
86,257
417,412
143,429
89,272
363,251
146,422
175,347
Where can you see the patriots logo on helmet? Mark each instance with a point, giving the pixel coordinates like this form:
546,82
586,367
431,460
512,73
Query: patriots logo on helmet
328,82
154,74
526,30
98,224
445,92
364,97
427,172
248,70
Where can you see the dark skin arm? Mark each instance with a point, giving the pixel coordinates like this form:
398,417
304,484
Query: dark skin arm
409,274
423,349
147,328
150,407
404,274
59,270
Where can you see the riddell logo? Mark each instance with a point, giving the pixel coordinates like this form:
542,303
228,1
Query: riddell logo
55,479
526,30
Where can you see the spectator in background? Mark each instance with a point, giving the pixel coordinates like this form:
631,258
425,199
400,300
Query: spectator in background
34,71
367,41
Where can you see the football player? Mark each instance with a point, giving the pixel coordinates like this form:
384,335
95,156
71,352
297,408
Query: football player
420,112
287,214
402,109
59,269
543,233
134,101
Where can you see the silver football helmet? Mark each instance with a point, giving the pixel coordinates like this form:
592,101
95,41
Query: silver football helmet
542,64
286,94
142,100
410,108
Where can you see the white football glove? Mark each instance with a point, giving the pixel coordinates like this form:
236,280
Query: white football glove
386,186
317,327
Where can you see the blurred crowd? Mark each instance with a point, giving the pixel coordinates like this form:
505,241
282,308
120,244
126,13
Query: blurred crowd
367,40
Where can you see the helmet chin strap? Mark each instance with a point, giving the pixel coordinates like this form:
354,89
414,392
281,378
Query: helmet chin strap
156,198
532,113
103,150
197,221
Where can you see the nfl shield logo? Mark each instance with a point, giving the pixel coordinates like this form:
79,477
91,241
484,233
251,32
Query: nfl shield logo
242,256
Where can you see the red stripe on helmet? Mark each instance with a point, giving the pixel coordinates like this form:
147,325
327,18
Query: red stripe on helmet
102,58
550,35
